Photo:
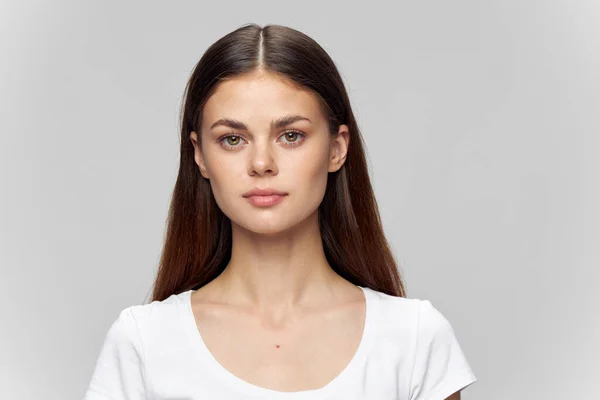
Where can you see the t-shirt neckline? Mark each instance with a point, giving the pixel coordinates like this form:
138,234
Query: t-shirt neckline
245,387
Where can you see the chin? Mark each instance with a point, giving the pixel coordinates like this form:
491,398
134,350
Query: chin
273,224
266,226
274,220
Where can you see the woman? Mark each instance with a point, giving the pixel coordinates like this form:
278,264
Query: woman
276,280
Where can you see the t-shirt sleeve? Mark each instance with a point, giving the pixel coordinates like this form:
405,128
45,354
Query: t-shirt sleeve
440,367
119,369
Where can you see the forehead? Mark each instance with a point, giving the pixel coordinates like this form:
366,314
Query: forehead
260,96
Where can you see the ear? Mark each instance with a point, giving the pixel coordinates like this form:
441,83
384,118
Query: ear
198,156
339,148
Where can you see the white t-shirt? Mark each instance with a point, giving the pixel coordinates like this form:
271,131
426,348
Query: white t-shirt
408,351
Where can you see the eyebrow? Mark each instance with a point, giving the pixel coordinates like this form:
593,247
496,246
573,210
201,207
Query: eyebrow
275,124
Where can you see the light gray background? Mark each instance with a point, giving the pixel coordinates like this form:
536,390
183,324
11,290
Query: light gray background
481,120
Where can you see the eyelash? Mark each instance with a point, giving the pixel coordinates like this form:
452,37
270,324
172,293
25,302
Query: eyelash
222,139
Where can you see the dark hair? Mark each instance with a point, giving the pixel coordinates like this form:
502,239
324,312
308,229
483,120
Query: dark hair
198,242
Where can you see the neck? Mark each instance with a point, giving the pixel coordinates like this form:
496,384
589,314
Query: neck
275,274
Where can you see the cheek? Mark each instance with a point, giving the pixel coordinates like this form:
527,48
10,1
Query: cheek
223,173
311,177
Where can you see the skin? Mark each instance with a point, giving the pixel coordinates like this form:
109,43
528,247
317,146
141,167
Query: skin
278,263
278,299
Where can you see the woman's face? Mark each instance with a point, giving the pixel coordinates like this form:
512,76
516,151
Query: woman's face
255,152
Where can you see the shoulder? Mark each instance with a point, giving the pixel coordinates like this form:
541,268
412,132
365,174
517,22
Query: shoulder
414,337
157,307
140,336
394,321
412,325
140,319
418,314
440,366
393,312
432,324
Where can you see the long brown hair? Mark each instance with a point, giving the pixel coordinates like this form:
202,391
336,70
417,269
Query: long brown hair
197,245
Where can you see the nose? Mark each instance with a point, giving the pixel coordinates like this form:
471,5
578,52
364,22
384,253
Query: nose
261,158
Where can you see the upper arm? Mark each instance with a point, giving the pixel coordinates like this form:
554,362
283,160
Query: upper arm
454,396
440,367
119,369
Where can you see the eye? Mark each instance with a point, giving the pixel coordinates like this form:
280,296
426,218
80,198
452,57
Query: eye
230,142
234,142
292,138
293,134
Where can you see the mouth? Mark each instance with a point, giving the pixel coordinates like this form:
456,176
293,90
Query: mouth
265,200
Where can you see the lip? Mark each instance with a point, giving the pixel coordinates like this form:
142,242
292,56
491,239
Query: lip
265,201
264,192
